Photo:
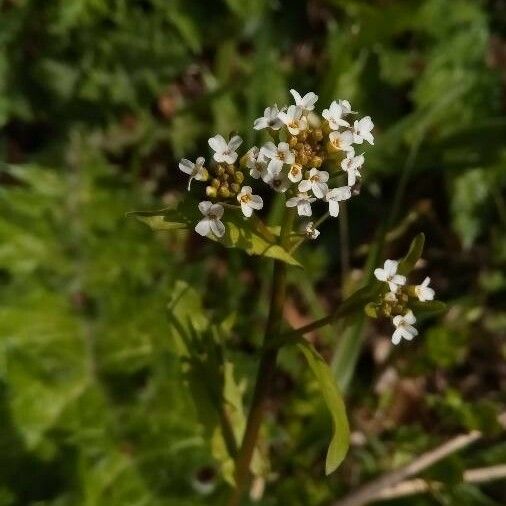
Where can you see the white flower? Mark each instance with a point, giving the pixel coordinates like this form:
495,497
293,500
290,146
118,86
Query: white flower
225,152
211,221
249,201
195,170
293,119
278,156
317,182
270,119
310,231
336,195
424,292
346,107
351,165
341,141
277,181
334,114
389,275
362,131
295,173
256,162
303,203
306,102
404,327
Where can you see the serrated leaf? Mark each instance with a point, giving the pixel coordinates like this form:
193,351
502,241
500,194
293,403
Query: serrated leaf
414,253
339,442
251,235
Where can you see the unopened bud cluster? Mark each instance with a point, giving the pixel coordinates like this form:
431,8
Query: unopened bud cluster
307,153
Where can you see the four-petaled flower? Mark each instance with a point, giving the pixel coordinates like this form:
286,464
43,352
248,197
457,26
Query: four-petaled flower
342,141
256,162
311,232
334,114
295,173
303,203
336,195
423,291
404,327
225,151
389,275
278,156
362,131
211,221
249,201
194,170
277,181
307,102
293,119
270,119
351,165
317,182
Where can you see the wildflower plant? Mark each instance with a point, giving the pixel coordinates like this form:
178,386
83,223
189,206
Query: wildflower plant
314,164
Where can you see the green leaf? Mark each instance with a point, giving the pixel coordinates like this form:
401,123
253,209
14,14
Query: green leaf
429,308
251,235
414,253
339,443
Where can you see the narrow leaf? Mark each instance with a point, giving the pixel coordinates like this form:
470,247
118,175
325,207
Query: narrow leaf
407,264
429,308
339,442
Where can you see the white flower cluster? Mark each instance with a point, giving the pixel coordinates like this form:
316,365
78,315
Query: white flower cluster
302,143
396,299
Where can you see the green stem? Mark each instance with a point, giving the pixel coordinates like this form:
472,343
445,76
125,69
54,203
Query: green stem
266,370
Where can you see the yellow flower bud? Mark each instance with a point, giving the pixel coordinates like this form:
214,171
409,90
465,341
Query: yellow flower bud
224,192
211,192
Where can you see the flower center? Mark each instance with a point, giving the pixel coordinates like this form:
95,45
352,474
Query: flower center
245,198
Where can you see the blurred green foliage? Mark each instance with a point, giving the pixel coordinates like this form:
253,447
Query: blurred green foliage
98,100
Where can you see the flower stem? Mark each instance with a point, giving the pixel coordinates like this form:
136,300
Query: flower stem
266,369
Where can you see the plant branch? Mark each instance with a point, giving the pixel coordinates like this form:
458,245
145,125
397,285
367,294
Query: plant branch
372,490
266,370
420,486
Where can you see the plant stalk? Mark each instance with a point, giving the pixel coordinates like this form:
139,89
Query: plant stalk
266,369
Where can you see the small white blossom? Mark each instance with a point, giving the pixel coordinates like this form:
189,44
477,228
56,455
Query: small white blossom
351,165
211,221
341,141
270,119
362,131
293,119
317,182
295,173
404,327
389,275
248,201
334,114
256,162
311,232
424,292
278,156
303,203
336,195
194,170
306,102
225,152
278,182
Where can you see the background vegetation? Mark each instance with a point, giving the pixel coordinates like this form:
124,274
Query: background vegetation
98,100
